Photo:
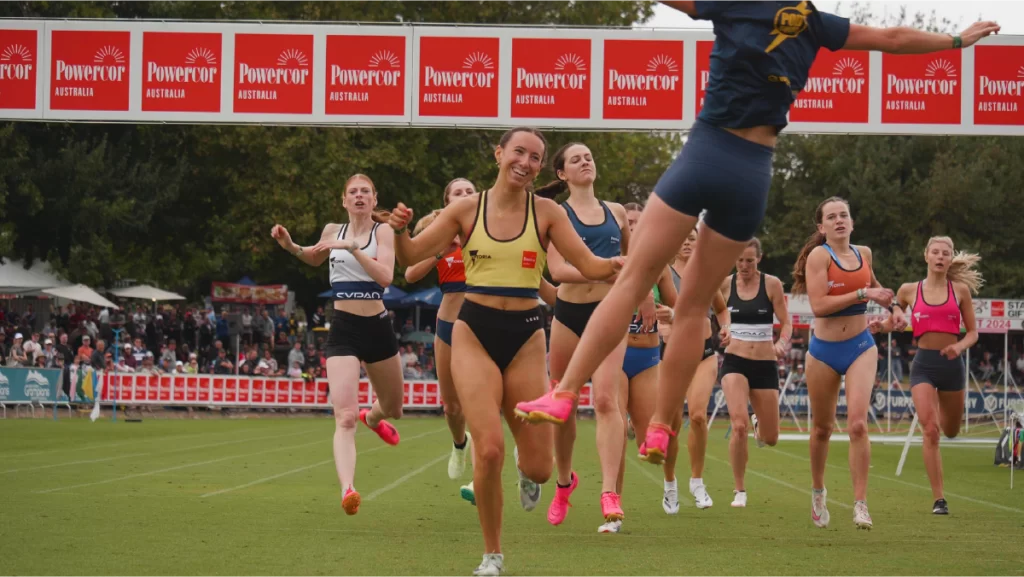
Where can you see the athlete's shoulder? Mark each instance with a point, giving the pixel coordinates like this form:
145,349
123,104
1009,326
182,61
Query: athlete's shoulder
618,211
864,251
332,228
773,282
546,205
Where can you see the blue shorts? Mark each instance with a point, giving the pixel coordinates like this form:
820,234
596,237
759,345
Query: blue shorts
724,174
841,354
444,331
639,360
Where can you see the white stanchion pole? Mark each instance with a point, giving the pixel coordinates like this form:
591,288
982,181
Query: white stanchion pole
967,392
888,394
1006,382
906,445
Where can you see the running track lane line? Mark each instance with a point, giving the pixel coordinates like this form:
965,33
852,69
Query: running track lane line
778,482
178,450
301,469
405,478
119,443
909,484
168,469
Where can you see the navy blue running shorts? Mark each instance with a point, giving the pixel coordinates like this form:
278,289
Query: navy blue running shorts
724,174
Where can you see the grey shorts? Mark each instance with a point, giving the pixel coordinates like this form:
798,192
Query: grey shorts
932,368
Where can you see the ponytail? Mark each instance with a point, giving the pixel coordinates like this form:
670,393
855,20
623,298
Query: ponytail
552,189
800,268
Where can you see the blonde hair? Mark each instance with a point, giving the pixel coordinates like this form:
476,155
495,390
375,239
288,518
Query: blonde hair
425,222
963,268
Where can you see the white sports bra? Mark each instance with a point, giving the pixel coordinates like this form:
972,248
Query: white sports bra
349,280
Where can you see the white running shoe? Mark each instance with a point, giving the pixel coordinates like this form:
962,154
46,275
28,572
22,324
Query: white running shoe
819,508
529,492
739,499
493,564
457,462
860,515
610,527
467,493
702,500
757,433
670,502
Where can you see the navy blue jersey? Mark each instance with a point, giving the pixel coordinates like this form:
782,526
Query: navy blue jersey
605,239
762,55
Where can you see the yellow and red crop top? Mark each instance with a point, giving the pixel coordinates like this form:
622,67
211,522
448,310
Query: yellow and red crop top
511,267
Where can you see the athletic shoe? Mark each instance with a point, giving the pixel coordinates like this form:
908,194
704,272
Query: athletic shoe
670,501
457,462
560,504
655,446
350,502
610,527
757,434
703,501
467,493
529,492
940,507
554,407
493,564
739,499
860,515
611,507
819,508
384,430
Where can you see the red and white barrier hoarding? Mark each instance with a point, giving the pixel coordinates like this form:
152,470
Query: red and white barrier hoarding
592,79
257,392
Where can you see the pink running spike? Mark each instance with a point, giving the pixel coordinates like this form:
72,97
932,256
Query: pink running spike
384,430
560,504
554,407
611,507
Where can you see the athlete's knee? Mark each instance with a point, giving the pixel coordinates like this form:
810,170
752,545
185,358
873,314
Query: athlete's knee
537,470
698,421
490,454
740,426
346,418
951,430
392,409
770,438
822,433
930,433
453,409
858,429
606,401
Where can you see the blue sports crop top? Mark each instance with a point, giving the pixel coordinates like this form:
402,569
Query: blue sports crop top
761,58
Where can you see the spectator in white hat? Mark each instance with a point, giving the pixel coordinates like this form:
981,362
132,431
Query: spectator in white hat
17,357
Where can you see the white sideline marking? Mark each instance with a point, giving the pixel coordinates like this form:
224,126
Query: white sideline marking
645,472
185,466
405,478
178,450
902,482
779,482
119,443
301,469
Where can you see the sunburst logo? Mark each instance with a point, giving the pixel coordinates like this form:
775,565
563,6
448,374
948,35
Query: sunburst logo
385,57
292,56
1020,72
662,61
941,64
570,60
851,64
23,53
109,51
203,55
480,57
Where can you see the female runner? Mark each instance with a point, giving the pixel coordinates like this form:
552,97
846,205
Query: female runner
576,299
451,276
838,280
760,61
750,371
939,364
697,397
498,341
362,258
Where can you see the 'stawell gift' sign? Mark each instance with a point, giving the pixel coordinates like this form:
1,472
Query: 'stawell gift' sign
365,75
19,59
458,76
551,78
181,72
89,70
274,73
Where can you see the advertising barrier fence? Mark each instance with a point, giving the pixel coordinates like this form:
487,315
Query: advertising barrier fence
395,74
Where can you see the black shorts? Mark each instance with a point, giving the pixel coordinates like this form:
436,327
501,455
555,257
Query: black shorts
709,348
574,315
727,175
502,333
759,374
931,367
369,339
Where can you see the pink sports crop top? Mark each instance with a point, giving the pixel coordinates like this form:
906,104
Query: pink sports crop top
941,318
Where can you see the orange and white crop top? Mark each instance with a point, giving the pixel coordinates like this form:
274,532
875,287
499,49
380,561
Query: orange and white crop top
842,281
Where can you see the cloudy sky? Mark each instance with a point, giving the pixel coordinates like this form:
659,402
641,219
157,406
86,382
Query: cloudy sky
1008,13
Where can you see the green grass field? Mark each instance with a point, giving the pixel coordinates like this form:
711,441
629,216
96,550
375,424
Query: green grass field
260,497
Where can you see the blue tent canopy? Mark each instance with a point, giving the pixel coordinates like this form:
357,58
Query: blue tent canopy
245,280
430,297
